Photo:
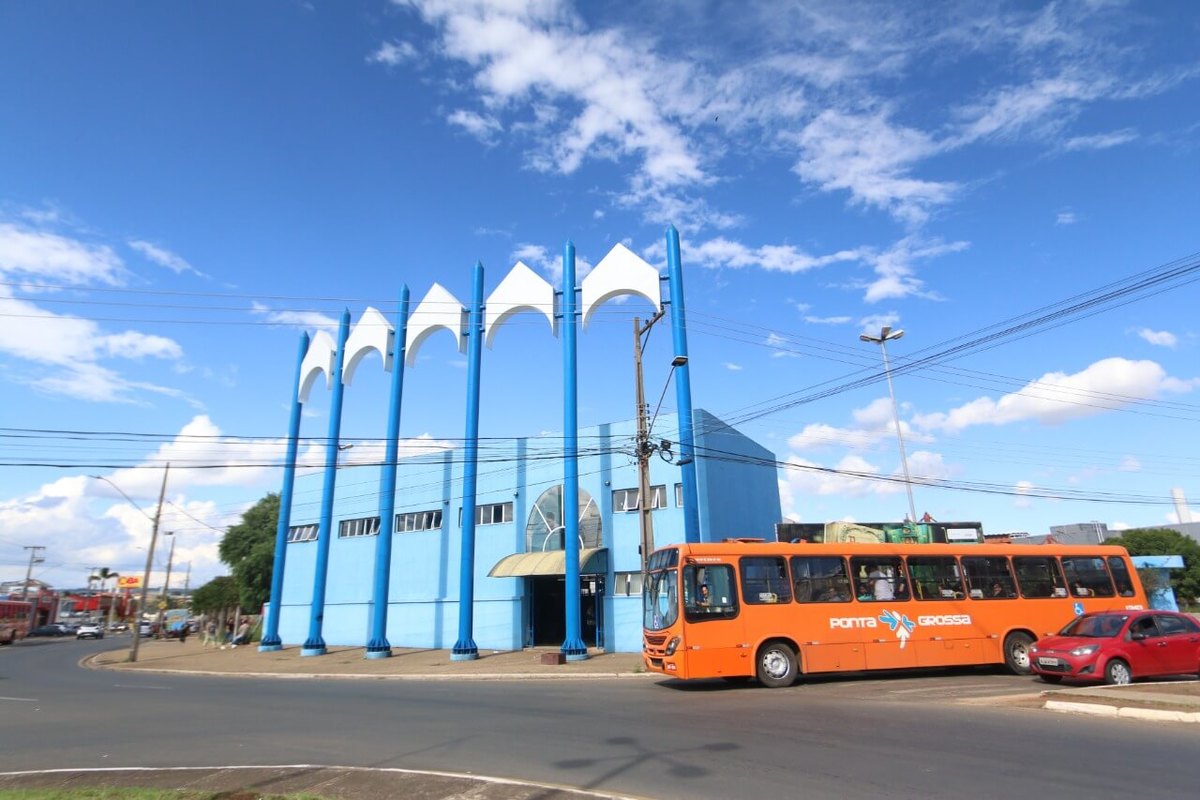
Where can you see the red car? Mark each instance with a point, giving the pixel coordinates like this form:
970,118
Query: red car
1118,647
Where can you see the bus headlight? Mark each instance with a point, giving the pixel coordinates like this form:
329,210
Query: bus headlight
672,645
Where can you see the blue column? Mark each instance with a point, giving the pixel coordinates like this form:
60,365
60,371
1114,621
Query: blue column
464,648
314,645
270,639
572,647
683,392
378,646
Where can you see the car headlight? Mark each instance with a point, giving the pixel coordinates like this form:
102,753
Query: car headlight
672,645
1085,650
1033,648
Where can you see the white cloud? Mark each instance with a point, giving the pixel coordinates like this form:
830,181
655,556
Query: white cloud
1066,218
781,347
729,365
1056,397
164,258
484,128
874,323
1101,141
307,320
873,424
49,256
550,265
1023,489
393,53
829,320
722,252
1159,338
895,275
850,476
1130,464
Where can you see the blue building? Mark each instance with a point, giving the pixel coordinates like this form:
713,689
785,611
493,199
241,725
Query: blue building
519,597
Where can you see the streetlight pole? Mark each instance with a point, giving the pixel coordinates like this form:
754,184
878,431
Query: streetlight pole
885,335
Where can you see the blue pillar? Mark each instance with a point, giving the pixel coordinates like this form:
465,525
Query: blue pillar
378,646
270,639
314,645
464,648
572,647
683,392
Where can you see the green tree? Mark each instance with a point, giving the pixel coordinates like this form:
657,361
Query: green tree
249,550
1167,542
218,595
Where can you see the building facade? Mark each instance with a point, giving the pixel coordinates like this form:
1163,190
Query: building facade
520,592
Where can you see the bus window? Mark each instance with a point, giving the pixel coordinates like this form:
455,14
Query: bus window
988,578
1120,574
935,578
879,578
709,592
820,580
765,580
1039,577
1087,576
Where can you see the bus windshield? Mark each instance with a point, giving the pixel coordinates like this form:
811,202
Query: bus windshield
660,604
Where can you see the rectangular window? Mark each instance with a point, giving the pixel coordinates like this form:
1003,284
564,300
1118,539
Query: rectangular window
679,495
820,580
1087,576
879,578
1120,574
302,533
1039,577
627,499
935,578
709,593
989,578
494,513
363,526
765,580
628,584
412,521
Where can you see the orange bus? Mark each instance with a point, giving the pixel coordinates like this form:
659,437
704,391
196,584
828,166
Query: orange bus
14,620
774,611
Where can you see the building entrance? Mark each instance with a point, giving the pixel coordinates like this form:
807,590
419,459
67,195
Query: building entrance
547,615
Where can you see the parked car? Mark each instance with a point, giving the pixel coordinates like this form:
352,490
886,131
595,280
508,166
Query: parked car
1118,647
90,630
53,629
145,629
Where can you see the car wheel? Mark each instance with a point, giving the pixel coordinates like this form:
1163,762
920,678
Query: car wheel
1051,678
776,665
1117,673
1016,652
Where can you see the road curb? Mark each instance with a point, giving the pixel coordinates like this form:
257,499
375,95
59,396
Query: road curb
1119,712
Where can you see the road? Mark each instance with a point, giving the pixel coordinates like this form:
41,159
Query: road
895,737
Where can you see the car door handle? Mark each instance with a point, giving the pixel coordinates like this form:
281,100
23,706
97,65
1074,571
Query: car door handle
1162,644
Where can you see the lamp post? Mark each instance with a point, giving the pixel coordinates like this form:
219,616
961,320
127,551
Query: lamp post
886,335
162,492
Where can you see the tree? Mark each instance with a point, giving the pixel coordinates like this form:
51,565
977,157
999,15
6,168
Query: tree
1167,542
249,550
219,594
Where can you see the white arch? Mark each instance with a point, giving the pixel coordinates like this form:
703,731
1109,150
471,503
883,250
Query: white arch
371,332
521,290
620,272
438,309
318,359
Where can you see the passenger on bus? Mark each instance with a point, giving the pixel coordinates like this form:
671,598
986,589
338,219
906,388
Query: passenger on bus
997,590
881,585
702,592
831,595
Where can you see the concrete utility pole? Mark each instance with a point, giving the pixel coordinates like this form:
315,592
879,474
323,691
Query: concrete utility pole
34,558
162,600
644,448
137,620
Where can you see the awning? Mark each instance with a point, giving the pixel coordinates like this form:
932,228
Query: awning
592,561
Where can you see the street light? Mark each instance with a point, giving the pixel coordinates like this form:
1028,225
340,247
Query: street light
886,335
137,622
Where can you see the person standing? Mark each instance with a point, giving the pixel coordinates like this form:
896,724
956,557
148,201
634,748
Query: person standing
210,633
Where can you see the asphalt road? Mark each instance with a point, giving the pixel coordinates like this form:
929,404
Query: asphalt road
896,737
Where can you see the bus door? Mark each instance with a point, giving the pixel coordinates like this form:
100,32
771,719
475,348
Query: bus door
715,641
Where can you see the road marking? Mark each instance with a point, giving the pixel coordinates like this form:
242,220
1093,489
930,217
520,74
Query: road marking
135,686
20,699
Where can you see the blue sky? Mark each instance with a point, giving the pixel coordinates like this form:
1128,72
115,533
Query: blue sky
184,188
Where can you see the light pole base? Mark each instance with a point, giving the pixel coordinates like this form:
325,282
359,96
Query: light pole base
269,648
313,651
378,653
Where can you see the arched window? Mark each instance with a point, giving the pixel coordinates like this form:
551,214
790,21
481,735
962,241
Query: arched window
544,530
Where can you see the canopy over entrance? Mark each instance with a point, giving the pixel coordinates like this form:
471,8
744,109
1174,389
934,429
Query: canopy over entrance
592,561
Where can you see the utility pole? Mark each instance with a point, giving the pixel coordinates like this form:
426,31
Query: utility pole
644,448
137,620
34,558
162,600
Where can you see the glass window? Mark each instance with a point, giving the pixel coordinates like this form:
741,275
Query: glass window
1144,626
935,578
1087,576
302,533
989,578
679,495
765,580
413,521
627,584
1039,577
545,528
1120,574
879,578
709,592
1171,626
660,600
627,499
363,526
820,580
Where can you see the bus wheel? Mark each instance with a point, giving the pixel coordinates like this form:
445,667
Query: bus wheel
1016,652
776,665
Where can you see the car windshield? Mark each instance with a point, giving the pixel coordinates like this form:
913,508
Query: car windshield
660,603
1095,626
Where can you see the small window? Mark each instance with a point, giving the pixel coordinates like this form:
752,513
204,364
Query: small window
765,580
490,514
1087,576
989,578
935,578
708,592
1120,574
1171,626
879,578
363,526
1144,626
820,580
627,584
1039,577
627,500
679,495
302,533
413,521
